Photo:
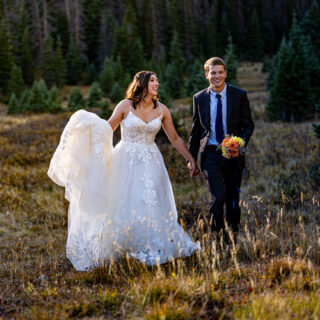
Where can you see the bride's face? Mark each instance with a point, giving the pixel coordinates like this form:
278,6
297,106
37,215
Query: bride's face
153,85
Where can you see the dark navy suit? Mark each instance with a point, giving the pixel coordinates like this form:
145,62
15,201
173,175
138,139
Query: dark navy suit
223,175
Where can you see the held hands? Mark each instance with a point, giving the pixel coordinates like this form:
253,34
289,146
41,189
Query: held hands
193,168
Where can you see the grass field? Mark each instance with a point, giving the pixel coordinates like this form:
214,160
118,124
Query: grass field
271,273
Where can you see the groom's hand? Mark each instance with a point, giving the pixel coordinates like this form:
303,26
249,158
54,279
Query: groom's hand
193,168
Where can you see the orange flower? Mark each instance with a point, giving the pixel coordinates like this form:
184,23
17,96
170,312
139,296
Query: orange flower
235,153
225,141
233,145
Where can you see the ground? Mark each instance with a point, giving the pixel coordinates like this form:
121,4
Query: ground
271,273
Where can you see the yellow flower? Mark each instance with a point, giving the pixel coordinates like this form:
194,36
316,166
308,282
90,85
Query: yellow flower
240,140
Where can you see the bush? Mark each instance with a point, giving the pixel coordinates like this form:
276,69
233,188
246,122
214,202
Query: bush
76,101
14,106
116,93
95,95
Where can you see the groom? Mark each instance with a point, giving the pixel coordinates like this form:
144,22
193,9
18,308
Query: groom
219,110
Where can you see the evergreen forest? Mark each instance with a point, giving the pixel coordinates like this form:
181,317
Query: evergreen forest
81,42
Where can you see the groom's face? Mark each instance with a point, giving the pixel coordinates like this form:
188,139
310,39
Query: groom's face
216,76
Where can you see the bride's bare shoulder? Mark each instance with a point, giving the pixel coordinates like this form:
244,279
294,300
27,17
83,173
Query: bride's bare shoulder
164,109
123,106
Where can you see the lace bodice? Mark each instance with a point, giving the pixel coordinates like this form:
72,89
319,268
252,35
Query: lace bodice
135,130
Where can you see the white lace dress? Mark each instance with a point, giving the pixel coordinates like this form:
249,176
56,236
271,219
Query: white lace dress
121,199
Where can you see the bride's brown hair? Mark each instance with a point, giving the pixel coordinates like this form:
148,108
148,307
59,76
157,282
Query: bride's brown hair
138,88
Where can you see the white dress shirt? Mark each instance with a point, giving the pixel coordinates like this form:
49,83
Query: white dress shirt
213,114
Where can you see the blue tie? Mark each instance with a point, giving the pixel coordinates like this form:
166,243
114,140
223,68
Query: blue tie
219,123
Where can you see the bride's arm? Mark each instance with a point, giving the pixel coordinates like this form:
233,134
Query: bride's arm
118,114
176,141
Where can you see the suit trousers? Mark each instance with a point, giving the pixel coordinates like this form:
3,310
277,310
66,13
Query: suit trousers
224,179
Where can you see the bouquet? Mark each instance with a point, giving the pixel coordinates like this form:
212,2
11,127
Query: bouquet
232,147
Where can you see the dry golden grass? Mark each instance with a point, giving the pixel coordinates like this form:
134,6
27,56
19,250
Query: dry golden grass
271,273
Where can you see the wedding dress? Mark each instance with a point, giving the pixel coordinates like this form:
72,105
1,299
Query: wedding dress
121,199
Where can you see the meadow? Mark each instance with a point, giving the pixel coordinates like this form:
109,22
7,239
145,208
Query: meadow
272,272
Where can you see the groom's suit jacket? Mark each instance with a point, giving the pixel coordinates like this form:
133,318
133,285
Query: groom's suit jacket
239,120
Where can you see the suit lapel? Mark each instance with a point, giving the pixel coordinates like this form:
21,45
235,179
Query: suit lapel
229,106
207,107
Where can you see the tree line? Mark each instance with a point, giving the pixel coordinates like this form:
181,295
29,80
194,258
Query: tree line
78,42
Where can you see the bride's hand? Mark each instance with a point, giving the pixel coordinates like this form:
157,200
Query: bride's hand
193,168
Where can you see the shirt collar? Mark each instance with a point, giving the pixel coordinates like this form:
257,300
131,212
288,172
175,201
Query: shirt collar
222,93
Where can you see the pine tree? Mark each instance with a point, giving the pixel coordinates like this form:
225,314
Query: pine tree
311,26
92,22
95,95
106,112
24,99
163,92
292,95
224,32
146,28
160,67
61,30
13,107
108,24
107,76
37,102
116,93
48,62
279,104
218,30
174,82
18,34
127,43
6,57
231,64
230,9
126,80
60,65
76,100
254,44
196,79
176,69
90,74
16,84
119,69
176,55
316,128
74,64
54,101
42,87
26,59
164,24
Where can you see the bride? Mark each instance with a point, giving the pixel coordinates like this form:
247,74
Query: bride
121,199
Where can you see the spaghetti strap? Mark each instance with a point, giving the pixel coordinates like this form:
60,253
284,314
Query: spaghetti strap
160,107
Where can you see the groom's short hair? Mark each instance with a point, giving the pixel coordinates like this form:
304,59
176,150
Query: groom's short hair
215,61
